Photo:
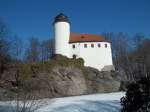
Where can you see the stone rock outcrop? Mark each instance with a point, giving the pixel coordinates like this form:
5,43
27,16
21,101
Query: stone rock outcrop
99,82
59,77
70,81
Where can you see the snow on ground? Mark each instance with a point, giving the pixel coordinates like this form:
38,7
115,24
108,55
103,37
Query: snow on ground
109,102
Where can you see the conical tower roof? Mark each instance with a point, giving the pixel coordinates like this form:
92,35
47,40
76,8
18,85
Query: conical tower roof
61,18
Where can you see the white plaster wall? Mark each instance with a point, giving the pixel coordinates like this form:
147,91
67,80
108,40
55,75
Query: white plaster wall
97,57
62,35
75,50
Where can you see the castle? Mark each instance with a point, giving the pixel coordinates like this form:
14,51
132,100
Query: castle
93,49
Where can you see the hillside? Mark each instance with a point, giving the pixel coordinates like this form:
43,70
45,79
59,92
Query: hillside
57,77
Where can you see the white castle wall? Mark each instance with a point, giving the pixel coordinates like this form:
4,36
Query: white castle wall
97,57
75,50
62,35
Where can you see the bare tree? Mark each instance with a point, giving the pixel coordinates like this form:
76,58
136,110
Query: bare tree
46,49
28,102
25,98
4,46
17,48
32,53
142,54
123,57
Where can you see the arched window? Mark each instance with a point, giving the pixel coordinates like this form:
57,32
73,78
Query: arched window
73,46
92,45
85,45
105,45
99,45
74,56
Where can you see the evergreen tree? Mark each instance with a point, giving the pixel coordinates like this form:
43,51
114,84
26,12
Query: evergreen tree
137,97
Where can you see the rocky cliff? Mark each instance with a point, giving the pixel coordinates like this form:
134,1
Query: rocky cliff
66,81
59,77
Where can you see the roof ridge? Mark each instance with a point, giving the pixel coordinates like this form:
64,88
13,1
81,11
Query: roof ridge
84,33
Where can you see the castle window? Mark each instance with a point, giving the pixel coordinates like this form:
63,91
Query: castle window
85,45
73,46
92,45
105,45
74,56
99,45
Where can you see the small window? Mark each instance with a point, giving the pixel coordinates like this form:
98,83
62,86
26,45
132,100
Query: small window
105,45
73,46
99,45
92,45
74,56
85,45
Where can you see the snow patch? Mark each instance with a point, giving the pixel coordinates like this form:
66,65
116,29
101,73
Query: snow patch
109,102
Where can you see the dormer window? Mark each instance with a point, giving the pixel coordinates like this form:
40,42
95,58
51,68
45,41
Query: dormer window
92,45
73,46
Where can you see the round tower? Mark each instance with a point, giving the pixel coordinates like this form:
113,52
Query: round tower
62,35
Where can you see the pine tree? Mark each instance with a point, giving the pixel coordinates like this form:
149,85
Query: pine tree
137,97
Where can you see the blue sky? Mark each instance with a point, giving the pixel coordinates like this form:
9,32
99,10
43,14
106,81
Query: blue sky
29,18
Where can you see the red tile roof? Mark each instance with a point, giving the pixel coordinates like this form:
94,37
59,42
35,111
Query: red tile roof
74,37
